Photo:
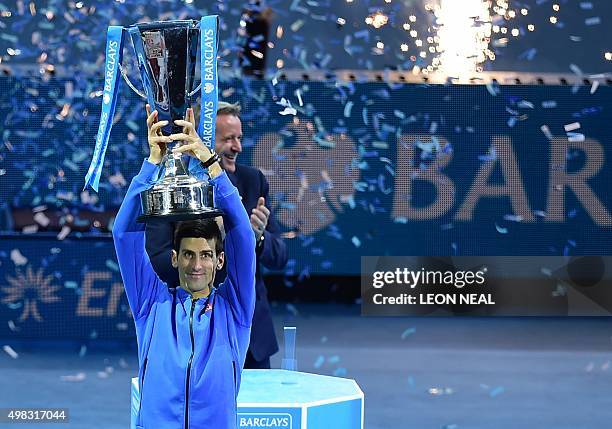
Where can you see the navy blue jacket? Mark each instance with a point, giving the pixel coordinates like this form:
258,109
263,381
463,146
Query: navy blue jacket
251,185
190,352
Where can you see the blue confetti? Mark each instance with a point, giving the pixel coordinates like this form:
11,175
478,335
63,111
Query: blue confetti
112,265
496,391
333,359
339,372
319,362
501,230
411,382
408,332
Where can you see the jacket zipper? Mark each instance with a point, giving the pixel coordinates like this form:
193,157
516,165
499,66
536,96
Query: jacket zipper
235,390
144,370
189,365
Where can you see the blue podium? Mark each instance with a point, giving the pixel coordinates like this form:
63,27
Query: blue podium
275,398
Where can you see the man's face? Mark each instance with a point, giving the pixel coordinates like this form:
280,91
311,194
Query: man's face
197,263
228,140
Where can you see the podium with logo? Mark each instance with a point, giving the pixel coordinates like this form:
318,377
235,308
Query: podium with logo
276,398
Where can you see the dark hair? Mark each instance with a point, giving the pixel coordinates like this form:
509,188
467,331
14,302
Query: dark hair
199,228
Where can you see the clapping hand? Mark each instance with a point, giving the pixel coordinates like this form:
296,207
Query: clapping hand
259,218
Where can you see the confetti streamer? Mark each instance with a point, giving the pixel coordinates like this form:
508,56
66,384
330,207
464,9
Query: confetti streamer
333,359
340,372
78,377
9,351
501,230
492,89
64,232
13,327
496,391
17,258
299,96
546,131
572,127
319,362
513,218
292,309
407,333
595,20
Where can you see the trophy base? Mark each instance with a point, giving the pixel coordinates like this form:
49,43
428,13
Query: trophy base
178,217
178,198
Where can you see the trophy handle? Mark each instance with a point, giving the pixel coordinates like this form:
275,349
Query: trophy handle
130,84
192,93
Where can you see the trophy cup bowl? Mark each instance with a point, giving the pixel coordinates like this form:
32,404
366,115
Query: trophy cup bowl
167,53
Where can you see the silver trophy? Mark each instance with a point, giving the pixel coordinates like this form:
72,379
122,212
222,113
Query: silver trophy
167,54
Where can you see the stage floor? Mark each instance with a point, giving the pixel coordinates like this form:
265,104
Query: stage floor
451,373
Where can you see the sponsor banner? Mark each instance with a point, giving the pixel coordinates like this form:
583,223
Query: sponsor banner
209,43
367,168
377,169
486,286
114,55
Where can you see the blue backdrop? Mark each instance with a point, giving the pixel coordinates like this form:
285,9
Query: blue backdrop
360,169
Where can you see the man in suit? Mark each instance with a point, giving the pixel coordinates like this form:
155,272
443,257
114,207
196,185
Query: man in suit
270,249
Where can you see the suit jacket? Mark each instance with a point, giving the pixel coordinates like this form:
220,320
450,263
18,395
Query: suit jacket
251,185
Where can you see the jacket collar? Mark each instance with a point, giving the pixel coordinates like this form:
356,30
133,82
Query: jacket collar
182,296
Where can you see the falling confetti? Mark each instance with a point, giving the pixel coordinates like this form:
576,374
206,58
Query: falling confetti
319,362
9,351
407,333
17,258
500,229
78,377
496,391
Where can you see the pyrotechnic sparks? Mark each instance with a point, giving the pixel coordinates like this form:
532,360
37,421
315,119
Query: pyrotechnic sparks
377,19
463,32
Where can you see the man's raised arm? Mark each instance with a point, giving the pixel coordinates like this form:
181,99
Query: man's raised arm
239,250
140,281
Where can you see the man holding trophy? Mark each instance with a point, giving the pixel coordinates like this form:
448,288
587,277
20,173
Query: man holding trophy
193,338
270,250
